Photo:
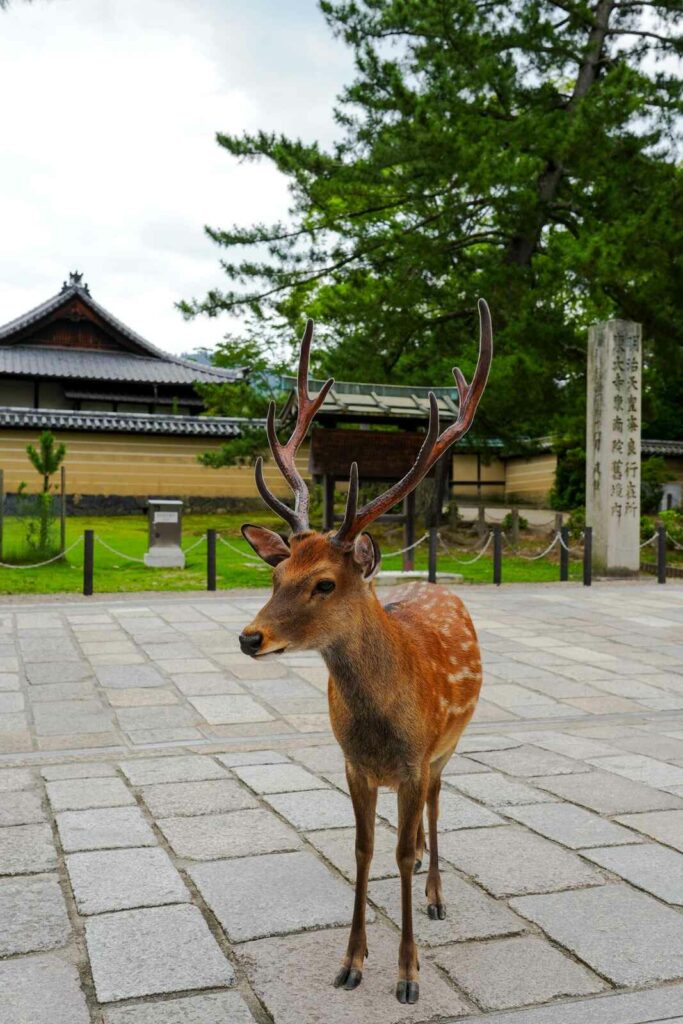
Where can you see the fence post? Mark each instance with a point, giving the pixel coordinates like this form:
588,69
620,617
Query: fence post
88,561
661,554
497,555
210,559
564,554
587,556
481,521
433,534
62,511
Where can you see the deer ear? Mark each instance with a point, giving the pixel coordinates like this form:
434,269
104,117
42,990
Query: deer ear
367,555
269,546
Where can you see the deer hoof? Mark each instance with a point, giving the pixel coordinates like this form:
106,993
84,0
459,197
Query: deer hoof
348,978
408,991
418,865
436,911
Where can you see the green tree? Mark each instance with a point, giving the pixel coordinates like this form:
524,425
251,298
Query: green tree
523,150
46,460
246,400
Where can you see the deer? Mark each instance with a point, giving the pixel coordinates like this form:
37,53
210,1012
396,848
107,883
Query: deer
404,676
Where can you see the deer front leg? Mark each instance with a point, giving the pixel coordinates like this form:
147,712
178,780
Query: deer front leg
364,799
411,799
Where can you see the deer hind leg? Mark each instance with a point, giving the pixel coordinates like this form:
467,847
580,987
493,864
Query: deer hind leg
411,799
364,799
435,904
419,845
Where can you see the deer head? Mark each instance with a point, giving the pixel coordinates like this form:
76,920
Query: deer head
321,581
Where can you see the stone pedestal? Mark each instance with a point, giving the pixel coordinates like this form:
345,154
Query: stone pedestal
613,446
165,533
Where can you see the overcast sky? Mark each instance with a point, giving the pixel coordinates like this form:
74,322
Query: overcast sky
108,162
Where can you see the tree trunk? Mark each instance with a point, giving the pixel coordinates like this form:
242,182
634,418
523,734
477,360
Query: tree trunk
524,244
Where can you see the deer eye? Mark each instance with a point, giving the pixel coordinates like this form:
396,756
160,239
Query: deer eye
325,586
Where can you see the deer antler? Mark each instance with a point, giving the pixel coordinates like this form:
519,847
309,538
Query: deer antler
284,455
434,444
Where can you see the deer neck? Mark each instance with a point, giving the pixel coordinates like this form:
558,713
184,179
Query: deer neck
365,658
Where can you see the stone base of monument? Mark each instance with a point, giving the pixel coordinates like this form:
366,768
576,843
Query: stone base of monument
170,557
388,577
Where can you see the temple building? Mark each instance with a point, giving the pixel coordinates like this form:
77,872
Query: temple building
128,412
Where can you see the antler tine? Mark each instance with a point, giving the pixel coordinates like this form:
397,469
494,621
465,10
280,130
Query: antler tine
284,455
434,444
351,503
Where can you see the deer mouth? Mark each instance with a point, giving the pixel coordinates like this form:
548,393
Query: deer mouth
277,650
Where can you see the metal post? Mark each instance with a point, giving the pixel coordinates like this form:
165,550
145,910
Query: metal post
211,559
62,511
558,521
88,561
661,554
564,554
433,534
588,556
497,555
481,521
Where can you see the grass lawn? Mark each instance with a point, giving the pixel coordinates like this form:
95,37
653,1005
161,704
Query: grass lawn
235,567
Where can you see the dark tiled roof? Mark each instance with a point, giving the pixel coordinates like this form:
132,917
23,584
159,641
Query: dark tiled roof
120,422
89,364
661,447
153,364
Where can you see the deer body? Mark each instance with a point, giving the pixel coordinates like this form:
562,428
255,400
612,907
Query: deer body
404,677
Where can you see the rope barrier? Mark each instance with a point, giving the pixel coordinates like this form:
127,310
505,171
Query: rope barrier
119,554
257,561
460,551
678,546
196,544
471,561
570,551
534,558
646,542
402,551
48,561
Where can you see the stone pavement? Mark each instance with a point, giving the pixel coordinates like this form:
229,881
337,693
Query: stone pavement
176,840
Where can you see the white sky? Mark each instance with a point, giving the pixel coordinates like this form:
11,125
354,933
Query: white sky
108,162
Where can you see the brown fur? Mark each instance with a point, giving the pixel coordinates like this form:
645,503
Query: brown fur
404,682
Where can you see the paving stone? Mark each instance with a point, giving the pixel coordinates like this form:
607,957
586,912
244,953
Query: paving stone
605,705
78,794
125,676
13,722
578,747
471,913
666,826
78,770
165,717
41,990
103,828
145,737
625,1008
318,723
252,757
459,765
529,761
186,666
272,894
211,1008
9,681
21,808
472,742
314,809
666,748
626,936
205,683
515,972
26,849
14,779
325,758
571,826
176,799
58,718
509,861
455,812
338,845
607,793
640,768
141,697
60,691
123,879
278,778
229,709
497,790
276,690
313,958
193,768
236,834
32,915
510,695
58,672
11,701
648,866
147,952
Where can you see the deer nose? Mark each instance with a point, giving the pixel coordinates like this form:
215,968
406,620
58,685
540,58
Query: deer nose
250,642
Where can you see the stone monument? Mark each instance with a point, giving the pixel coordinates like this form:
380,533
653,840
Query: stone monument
165,534
613,446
